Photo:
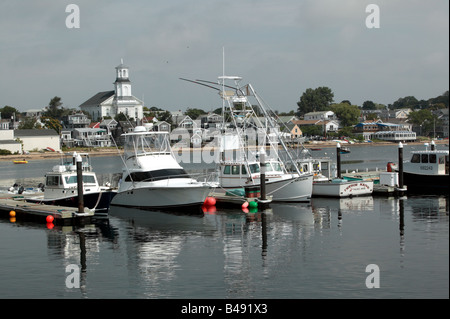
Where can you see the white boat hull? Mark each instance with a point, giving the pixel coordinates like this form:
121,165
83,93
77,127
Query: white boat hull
342,188
291,188
162,197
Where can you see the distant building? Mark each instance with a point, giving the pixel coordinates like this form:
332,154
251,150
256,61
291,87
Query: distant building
112,103
38,139
384,131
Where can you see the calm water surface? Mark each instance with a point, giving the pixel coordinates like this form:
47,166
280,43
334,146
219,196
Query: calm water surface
309,250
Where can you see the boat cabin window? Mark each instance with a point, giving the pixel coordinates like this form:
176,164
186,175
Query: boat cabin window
87,179
156,175
243,170
235,169
52,181
227,169
424,158
415,158
432,158
276,167
254,168
441,159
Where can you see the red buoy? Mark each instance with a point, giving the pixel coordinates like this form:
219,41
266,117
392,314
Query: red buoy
210,201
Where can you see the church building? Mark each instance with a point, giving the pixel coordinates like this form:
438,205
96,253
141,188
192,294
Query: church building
112,103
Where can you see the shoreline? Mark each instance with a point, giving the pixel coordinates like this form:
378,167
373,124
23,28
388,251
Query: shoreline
111,152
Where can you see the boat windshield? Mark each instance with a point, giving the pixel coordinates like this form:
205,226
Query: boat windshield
87,179
156,175
275,166
146,143
254,168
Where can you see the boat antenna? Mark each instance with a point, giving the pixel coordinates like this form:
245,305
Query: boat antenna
223,80
196,82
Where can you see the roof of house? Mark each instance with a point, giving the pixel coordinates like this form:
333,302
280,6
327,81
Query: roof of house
98,98
34,132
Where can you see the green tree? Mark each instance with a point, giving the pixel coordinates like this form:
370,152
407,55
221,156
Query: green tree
314,100
53,109
312,130
120,117
8,111
425,119
165,116
29,123
347,114
52,123
368,105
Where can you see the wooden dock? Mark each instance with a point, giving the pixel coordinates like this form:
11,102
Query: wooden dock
31,211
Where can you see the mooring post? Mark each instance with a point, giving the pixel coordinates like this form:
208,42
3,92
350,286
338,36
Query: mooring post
262,163
80,185
400,165
338,154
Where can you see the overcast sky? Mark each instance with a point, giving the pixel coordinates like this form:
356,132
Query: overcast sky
282,47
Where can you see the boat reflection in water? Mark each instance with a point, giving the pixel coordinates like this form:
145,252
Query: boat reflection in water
295,249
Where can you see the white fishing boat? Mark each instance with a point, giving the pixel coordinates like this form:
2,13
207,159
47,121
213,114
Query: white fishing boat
61,187
247,128
427,170
327,184
151,176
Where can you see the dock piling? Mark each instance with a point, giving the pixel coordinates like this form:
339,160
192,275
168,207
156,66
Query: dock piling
262,162
338,162
80,184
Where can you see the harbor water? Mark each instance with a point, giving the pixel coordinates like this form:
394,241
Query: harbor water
362,247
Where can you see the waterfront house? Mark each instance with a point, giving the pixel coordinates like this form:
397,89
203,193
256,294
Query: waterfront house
91,137
37,140
323,115
326,125
162,126
393,132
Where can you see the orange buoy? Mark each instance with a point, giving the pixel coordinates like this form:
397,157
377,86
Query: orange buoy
12,213
210,201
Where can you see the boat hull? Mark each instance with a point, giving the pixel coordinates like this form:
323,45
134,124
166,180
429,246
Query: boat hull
291,189
98,201
342,188
426,183
162,197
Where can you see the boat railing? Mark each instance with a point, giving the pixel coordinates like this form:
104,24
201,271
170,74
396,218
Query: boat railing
198,177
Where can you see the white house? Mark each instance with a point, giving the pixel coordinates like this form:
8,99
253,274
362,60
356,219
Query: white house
323,115
38,139
8,143
111,103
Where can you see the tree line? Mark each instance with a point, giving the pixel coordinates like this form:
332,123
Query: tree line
312,100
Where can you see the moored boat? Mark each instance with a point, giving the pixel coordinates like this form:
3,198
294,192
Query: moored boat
61,187
427,170
151,176
246,136
24,161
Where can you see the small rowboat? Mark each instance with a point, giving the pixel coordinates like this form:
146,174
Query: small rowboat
20,162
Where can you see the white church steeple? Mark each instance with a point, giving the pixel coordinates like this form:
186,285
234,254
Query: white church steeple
122,84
